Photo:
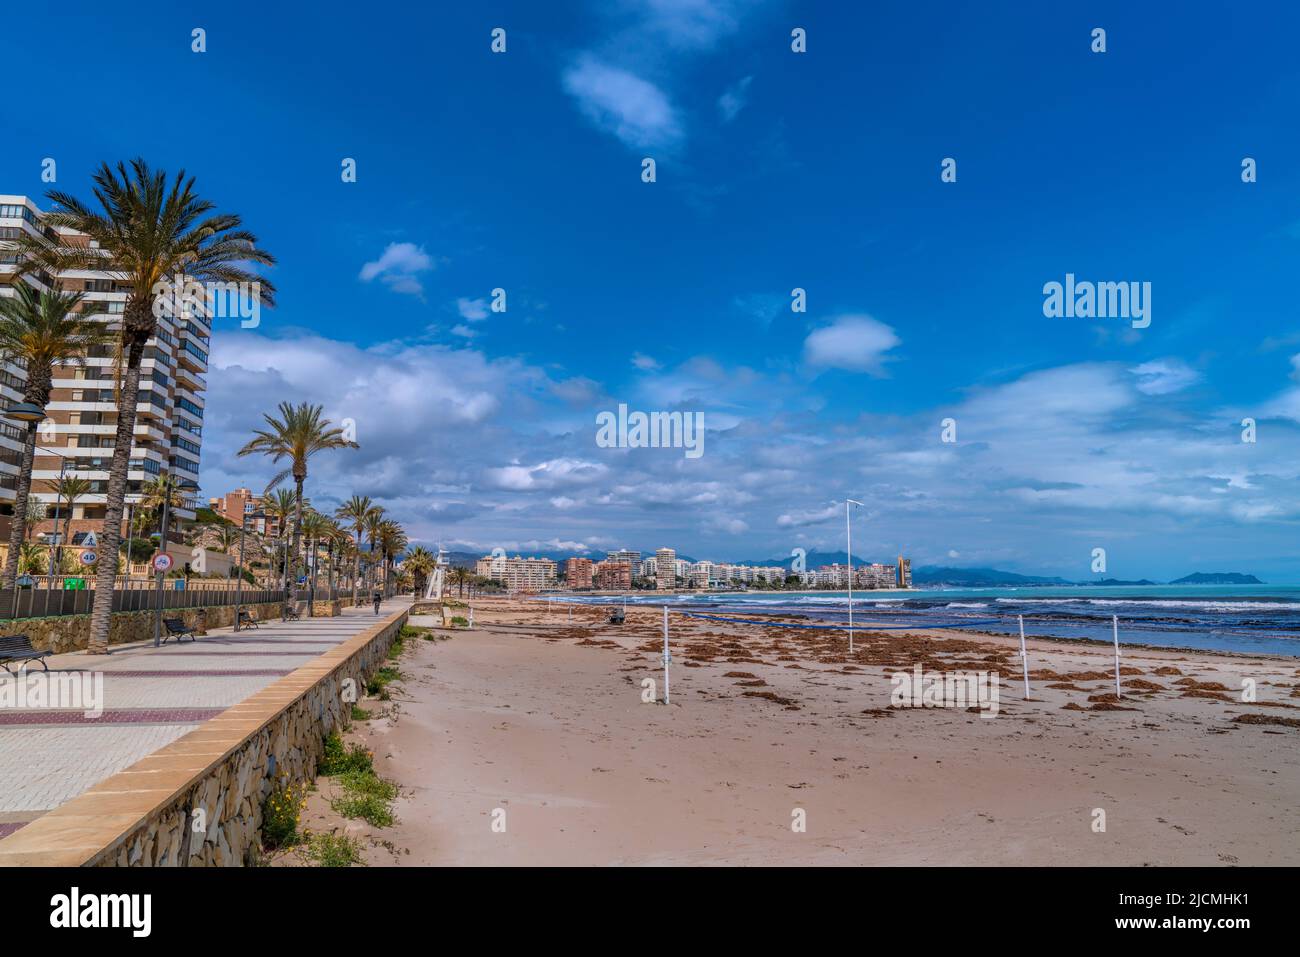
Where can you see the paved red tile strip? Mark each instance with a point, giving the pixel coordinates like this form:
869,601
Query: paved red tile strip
238,654
198,673
330,642
111,716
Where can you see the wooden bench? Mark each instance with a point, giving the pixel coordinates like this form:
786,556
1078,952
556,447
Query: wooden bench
18,648
176,629
246,620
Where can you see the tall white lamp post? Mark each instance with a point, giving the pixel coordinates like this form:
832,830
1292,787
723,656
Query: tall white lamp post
848,528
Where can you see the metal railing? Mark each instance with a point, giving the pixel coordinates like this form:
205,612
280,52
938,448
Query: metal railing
41,602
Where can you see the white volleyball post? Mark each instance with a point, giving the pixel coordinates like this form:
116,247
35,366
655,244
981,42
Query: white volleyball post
667,694
471,616
1115,632
1024,658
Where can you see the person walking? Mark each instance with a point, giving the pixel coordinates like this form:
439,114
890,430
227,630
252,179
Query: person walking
378,596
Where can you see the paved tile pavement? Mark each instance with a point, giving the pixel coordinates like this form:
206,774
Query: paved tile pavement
151,696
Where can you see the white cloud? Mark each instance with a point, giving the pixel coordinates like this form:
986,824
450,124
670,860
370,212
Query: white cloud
645,363
727,526
475,310
691,24
1163,376
545,475
622,103
399,267
734,99
857,343
799,519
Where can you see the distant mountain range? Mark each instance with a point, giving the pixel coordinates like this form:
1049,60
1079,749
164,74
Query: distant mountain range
921,575
1217,578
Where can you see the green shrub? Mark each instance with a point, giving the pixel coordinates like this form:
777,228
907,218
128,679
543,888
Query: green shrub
340,759
366,796
332,850
378,685
367,807
361,714
368,783
459,621
281,812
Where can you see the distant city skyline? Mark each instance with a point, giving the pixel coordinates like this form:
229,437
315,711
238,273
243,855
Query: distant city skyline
499,276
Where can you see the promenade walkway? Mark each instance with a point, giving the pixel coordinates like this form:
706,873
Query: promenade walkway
151,696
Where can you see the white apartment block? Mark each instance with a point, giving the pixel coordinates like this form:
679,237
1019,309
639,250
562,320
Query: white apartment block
875,575
666,568
518,573
169,424
700,574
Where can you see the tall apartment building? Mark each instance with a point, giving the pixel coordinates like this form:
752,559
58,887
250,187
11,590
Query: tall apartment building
233,506
904,576
665,568
577,572
875,575
518,573
700,574
79,433
625,555
835,575
613,576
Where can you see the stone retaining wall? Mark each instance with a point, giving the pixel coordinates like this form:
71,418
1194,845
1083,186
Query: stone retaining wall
198,801
66,633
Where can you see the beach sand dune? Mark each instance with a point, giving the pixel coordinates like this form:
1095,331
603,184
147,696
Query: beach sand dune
542,718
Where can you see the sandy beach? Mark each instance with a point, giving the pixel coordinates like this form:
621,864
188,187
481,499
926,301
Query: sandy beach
537,724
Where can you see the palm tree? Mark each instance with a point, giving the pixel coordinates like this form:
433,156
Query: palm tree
374,528
69,489
340,543
32,559
35,514
297,435
152,495
392,542
149,236
282,506
421,563
39,330
460,576
315,528
356,510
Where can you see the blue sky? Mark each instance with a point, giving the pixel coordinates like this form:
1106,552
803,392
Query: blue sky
775,170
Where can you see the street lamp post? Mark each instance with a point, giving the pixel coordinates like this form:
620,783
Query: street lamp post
329,559
239,582
28,413
311,581
848,528
185,485
54,541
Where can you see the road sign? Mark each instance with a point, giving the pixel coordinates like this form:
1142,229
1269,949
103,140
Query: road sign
89,556
74,584
90,541
162,562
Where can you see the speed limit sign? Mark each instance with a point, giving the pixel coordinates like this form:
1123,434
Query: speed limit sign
89,556
162,562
